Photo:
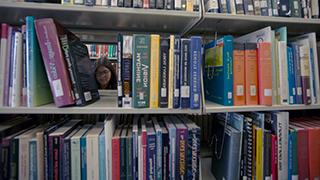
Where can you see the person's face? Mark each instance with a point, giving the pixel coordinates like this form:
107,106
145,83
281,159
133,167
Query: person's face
103,76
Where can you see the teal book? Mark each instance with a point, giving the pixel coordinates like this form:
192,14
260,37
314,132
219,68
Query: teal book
33,159
218,75
102,156
141,71
38,88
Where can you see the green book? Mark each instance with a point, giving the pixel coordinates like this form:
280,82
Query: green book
141,71
38,89
295,6
14,158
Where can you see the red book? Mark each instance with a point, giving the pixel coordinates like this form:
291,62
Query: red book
144,148
3,61
274,161
116,154
251,74
54,62
265,73
238,75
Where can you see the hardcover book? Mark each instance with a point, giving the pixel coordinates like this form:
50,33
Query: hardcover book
238,74
164,72
297,73
127,71
141,71
159,155
172,148
154,70
184,74
291,80
171,72
3,60
176,72
251,74
116,154
54,62
284,8
123,149
151,151
295,7
120,88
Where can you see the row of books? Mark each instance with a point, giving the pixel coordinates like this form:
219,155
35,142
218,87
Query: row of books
41,61
159,72
284,8
142,148
97,51
263,67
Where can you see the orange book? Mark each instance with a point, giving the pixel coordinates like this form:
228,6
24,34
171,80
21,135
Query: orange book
265,73
251,73
238,75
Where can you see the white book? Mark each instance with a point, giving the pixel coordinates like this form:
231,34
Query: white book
17,71
76,152
314,67
283,72
92,140
114,3
262,35
3,56
109,127
104,2
177,4
283,133
274,71
98,2
233,6
314,8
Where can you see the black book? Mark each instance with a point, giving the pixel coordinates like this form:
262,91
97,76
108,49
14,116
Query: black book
137,3
81,69
267,154
152,4
164,72
160,4
123,150
169,4
120,3
119,76
127,3
284,8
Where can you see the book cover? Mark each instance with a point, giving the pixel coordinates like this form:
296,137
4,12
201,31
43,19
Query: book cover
171,72
116,154
120,54
141,71
151,151
55,65
195,71
127,72
16,73
238,75
291,77
3,60
154,70
172,147
176,72
264,73
251,74
184,74
218,78
159,155
123,149
164,72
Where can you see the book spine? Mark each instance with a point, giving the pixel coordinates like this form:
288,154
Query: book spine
135,152
177,4
164,71
127,3
228,72
127,71
66,163
171,72
290,156
120,88
24,68
185,76
129,159
295,6
282,132
267,155
54,63
151,156
23,158
176,77
248,7
120,3
303,158
274,162
144,154
291,74
141,71
189,5
75,159
3,61
195,72
284,8
193,152
152,4
196,5
165,155
294,156
212,6
259,154
238,74
79,2
17,71
239,7
5,161
169,4
7,68
33,160
159,156
250,155
313,78
305,74
83,157
160,4
123,166
251,76
223,6
172,154
297,73
137,3
102,157
181,153
89,2
11,69
264,8
14,159
256,7
55,157
275,8
154,71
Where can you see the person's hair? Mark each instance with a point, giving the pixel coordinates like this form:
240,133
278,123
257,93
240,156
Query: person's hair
103,62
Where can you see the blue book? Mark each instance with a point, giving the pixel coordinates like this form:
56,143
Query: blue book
165,151
33,173
102,156
297,73
291,75
312,73
218,77
195,72
290,156
185,76
158,165
172,151
151,151
83,150
176,77
66,162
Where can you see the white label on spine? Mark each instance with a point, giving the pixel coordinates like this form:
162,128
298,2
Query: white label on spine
185,91
229,95
78,1
253,90
196,97
240,90
284,8
223,2
291,99
57,86
239,1
295,177
87,96
250,7
141,96
176,92
275,12
299,91
119,90
294,91
263,4
308,93
267,92
256,3
295,5
163,92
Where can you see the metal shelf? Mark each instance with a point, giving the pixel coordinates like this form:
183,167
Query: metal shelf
101,17
242,24
106,105
211,107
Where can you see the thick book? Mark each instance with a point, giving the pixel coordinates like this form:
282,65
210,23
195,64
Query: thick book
184,74
116,154
291,78
141,71
3,60
126,72
238,75
164,72
123,149
172,150
176,72
251,74
151,151
171,72
218,80
38,89
154,70
264,73
195,71
54,62
159,147
297,73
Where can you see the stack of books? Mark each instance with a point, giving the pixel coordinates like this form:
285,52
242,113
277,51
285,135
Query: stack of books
159,72
97,51
262,68
285,8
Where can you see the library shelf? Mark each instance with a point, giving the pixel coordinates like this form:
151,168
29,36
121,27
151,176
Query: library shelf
106,105
101,17
211,107
242,24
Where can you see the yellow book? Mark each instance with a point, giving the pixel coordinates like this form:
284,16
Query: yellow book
154,70
67,2
171,67
189,6
259,154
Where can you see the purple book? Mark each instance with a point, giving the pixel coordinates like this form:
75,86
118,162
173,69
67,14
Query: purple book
181,148
54,62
